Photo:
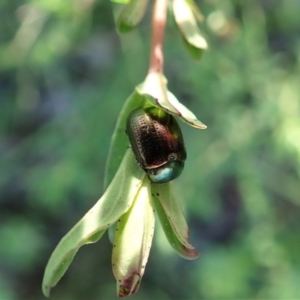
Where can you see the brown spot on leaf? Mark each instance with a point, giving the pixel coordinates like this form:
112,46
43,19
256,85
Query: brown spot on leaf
130,284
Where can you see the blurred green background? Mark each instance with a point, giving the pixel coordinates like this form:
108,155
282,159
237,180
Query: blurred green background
64,75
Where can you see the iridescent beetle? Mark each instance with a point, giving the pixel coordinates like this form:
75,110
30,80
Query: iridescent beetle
157,143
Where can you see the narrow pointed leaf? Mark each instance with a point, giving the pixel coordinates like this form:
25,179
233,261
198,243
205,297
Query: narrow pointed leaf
194,52
131,15
172,236
133,241
111,233
155,86
155,91
187,24
196,10
185,114
120,1
116,201
119,142
165,195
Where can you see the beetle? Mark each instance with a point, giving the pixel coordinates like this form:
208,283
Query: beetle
157,143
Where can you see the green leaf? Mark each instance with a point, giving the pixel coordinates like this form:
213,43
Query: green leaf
133,241
119,142
120,1
116,201
154,89
194,52
172,220
172,208
185,114
131,15
196,10
187,24
111,232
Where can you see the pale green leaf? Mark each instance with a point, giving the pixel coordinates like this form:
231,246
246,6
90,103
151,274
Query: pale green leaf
119,141
187,24
176,231
111,232
172,208
133,241
194,52
155,86
196,10
185,114
120,1
116,201
155,90
131,15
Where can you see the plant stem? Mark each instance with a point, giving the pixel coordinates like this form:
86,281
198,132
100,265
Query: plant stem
159,18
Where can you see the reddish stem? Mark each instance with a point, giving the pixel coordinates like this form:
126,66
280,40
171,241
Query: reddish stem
159,18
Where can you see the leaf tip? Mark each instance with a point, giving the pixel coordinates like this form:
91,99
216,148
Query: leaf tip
129,285
46,290
189,254
123,27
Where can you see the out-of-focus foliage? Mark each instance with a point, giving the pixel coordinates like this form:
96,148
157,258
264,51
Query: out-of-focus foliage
64,75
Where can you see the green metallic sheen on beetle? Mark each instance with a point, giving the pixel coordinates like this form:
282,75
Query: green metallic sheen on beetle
157,143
